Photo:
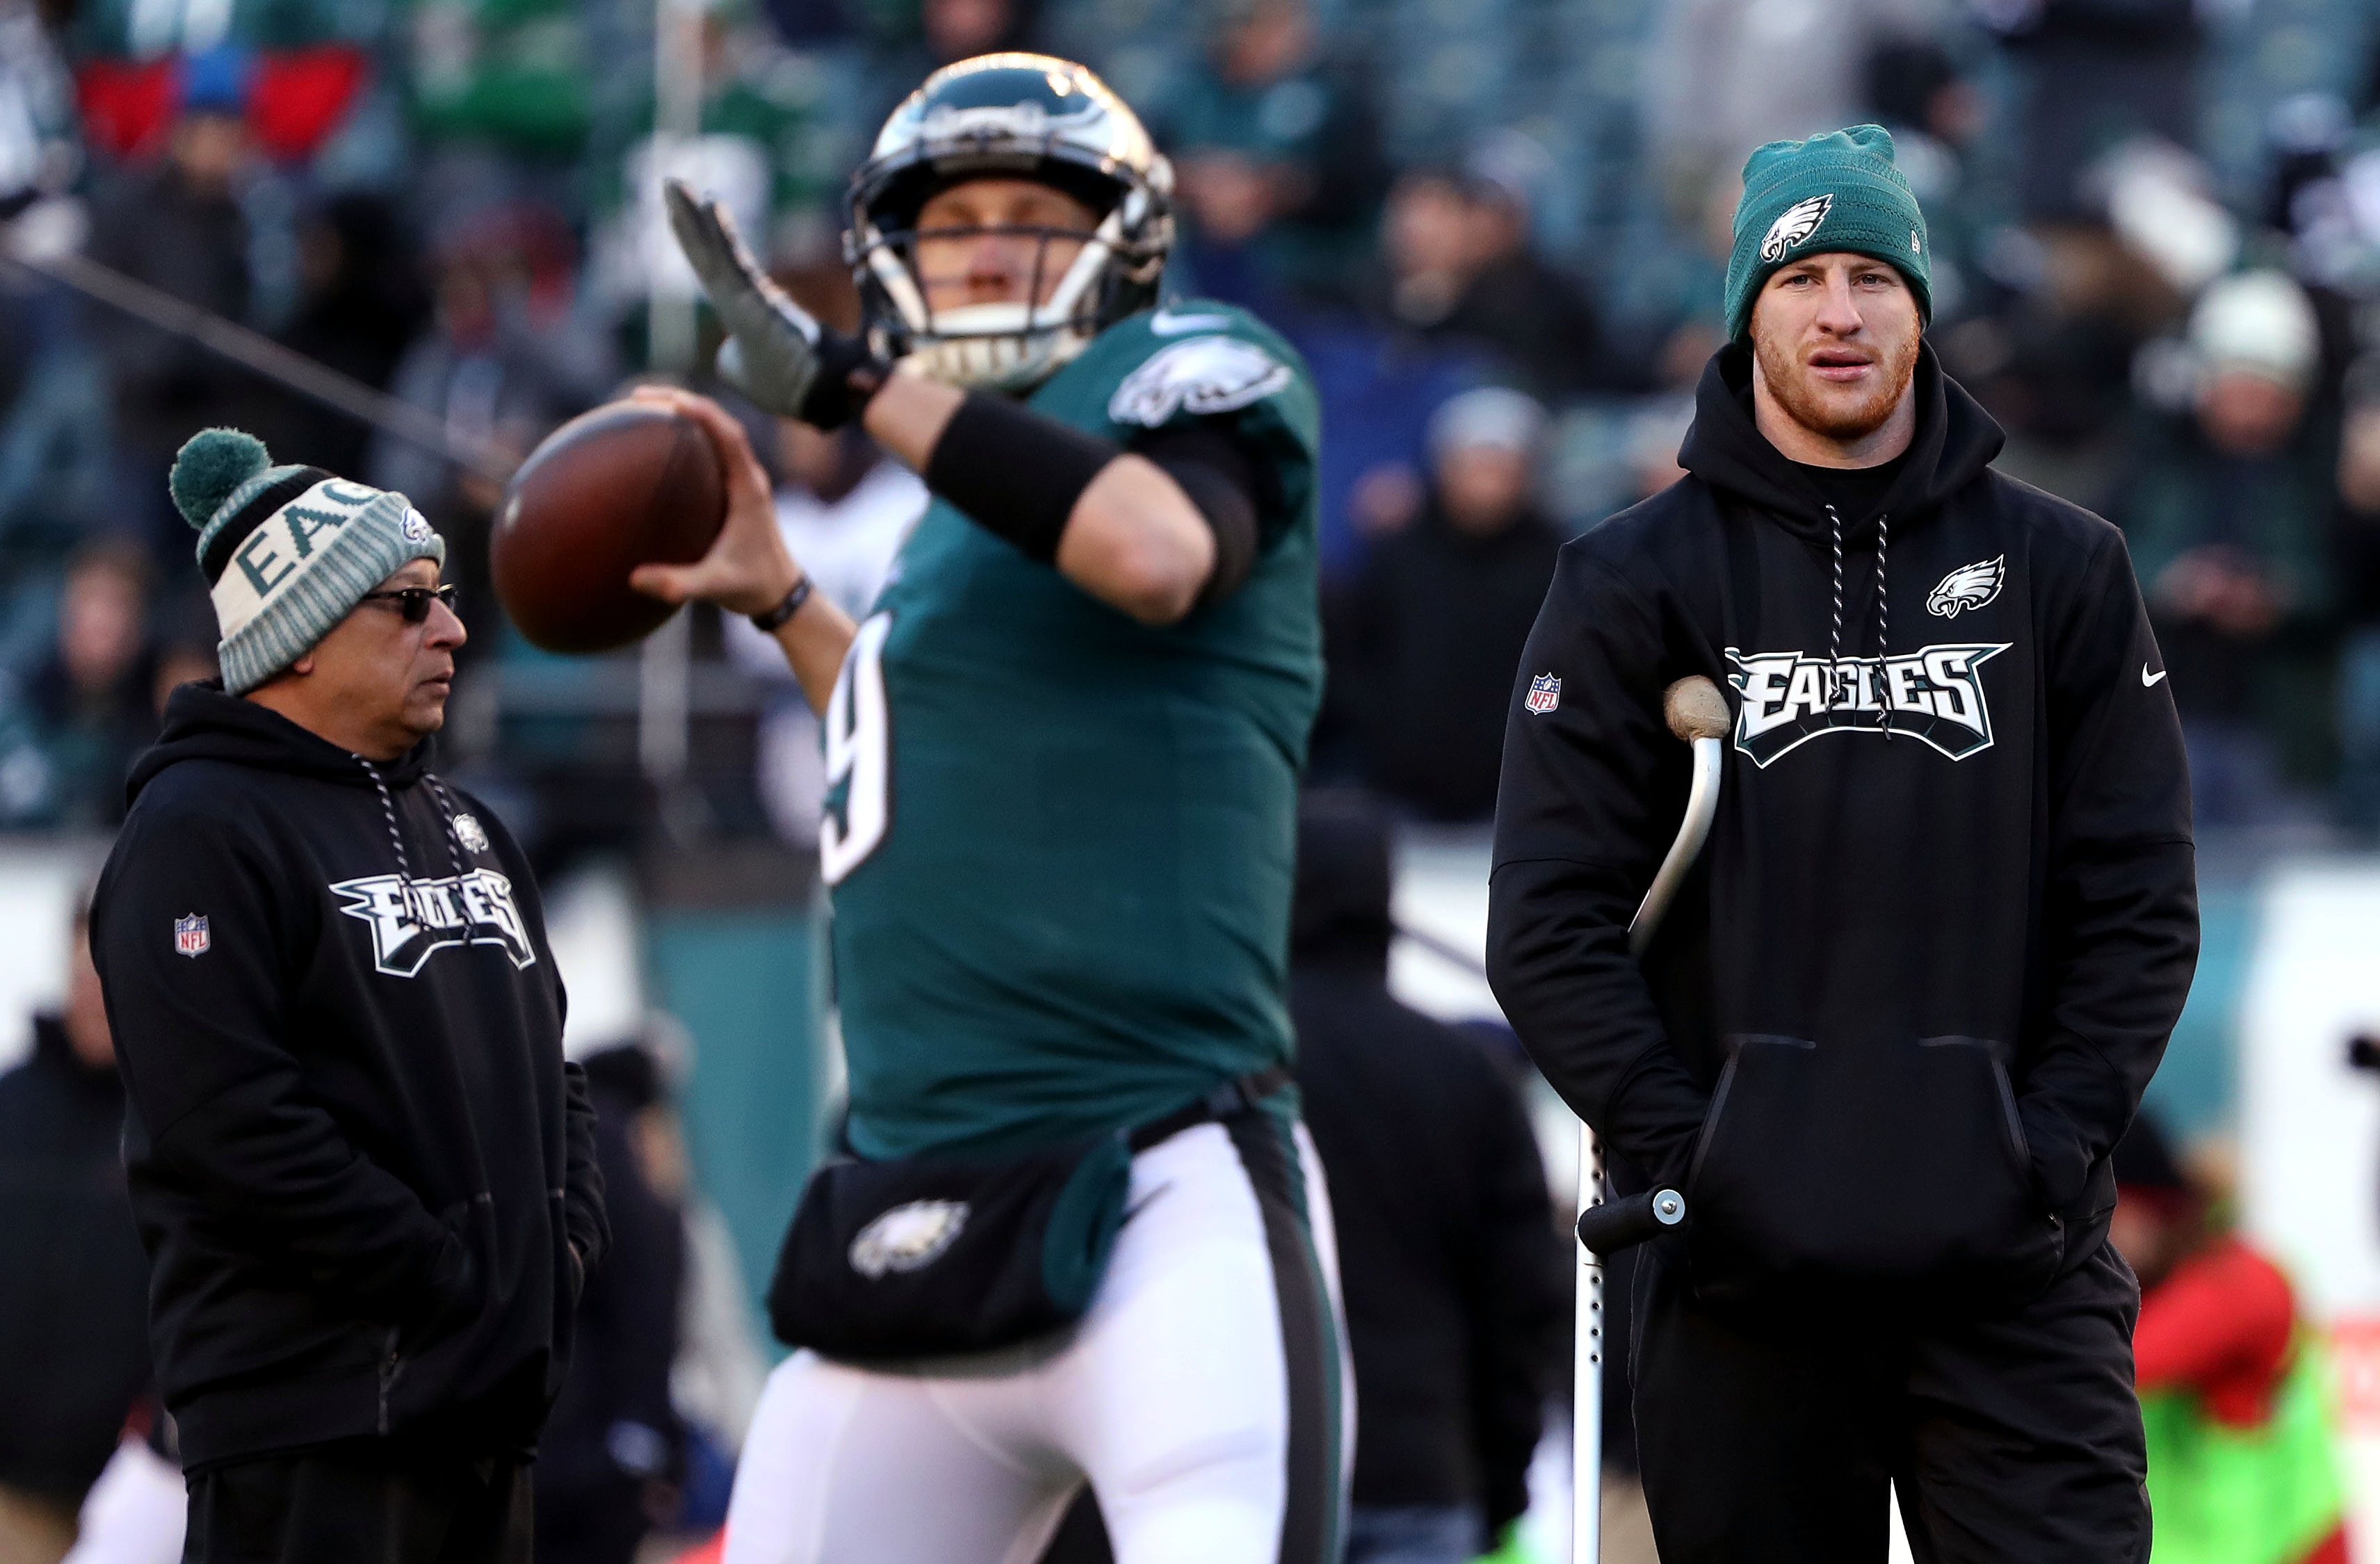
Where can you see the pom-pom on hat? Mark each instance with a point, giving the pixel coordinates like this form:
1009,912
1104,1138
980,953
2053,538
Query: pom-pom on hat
1839,191
287,551
213,463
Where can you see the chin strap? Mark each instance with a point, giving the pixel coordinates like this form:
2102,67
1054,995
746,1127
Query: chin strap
1010,347
1009,361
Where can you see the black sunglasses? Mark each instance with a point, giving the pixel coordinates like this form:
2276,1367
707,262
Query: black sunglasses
413,602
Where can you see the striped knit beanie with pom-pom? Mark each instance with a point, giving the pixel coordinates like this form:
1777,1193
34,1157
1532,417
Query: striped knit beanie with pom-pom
288,551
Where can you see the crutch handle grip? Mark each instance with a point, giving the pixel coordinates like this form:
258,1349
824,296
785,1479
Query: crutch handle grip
1615,1225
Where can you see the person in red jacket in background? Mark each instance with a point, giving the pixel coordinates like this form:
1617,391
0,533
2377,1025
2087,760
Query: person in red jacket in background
2243,1460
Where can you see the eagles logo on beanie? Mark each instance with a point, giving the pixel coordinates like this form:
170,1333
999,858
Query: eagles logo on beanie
288,551
1839,191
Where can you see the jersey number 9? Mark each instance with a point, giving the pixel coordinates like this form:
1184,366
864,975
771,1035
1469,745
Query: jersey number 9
858,755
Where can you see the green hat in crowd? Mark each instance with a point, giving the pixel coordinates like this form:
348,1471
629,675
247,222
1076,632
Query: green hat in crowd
1839,191
288,551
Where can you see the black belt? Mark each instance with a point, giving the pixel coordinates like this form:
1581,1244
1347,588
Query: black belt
1230,1100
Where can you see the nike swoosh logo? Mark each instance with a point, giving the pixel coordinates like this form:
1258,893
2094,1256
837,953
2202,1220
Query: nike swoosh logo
2148,679
1165,322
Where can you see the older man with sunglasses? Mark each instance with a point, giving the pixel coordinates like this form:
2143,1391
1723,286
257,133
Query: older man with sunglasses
362,1171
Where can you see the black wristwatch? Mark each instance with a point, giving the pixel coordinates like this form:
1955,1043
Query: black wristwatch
767,623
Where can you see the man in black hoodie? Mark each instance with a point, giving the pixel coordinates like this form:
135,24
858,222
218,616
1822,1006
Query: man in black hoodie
1447,1242
1423,643
1908,1002
74,1352
363,1174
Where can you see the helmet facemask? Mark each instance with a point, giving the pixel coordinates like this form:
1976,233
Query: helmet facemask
1094,152
1015,344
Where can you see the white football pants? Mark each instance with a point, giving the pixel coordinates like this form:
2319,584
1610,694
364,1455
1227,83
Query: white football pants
1206,1397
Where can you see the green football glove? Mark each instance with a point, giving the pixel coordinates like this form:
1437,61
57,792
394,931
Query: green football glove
777,352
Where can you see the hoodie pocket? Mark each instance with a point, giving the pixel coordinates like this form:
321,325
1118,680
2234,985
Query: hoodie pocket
459,1292
1896,1165
429,1353
391,1369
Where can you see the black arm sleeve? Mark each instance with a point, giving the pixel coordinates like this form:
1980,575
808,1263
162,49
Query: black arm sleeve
1014,472
1018,473
1215,473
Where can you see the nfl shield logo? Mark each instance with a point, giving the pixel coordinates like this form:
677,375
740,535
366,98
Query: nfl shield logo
190,934
1544,693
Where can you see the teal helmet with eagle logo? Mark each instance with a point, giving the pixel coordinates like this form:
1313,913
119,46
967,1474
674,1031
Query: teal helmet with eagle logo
1011,116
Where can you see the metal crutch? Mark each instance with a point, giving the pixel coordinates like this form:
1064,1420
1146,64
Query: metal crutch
1697,713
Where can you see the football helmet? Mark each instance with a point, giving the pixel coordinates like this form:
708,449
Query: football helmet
1014,116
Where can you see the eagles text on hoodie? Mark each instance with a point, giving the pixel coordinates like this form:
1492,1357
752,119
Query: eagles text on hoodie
1911,993
357,1160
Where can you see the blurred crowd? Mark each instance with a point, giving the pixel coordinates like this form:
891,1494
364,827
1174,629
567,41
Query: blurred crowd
1496,229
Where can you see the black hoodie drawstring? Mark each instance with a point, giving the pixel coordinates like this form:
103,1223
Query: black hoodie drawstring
396,839
388,811
1883,618
446,813
1835,646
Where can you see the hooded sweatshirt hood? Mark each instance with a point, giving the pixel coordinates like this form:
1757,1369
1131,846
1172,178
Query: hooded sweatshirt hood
1953,445
203,722
1956,441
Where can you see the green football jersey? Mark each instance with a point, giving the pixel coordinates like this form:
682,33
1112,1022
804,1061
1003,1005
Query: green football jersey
1060,842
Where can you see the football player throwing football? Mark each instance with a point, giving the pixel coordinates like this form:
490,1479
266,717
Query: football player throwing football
1062,752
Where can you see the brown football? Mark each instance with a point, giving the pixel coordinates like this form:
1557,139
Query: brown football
627,484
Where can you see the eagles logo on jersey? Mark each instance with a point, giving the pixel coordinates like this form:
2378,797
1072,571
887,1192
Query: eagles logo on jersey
1203,375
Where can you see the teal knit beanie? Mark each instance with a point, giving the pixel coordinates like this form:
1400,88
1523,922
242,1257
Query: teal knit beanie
1839,191
288,551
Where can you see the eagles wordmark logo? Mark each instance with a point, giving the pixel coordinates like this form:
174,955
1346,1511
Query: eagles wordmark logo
1969,586
1934,695
412,920
907,1237
1198,374
1795,226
